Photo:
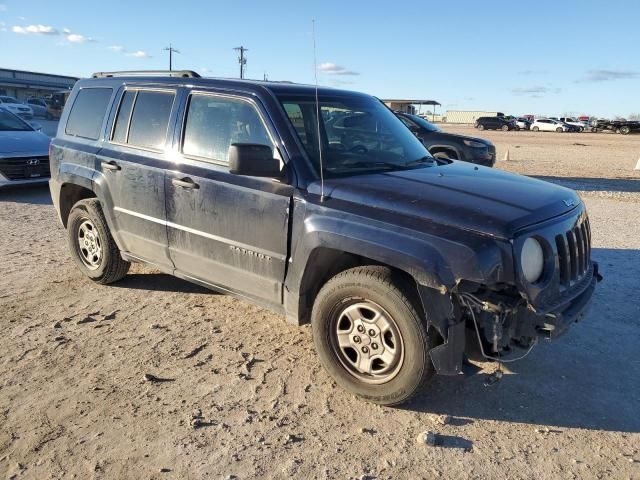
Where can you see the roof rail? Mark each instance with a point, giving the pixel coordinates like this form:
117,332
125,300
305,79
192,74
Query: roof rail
148,73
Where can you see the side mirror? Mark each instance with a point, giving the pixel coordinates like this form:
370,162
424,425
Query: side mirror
253,160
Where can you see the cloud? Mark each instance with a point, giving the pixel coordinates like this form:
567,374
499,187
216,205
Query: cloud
39,29
535,91
533,72
116,48
77,38
608,75
138,54
333,69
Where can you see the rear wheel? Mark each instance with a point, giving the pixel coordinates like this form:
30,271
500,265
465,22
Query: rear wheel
536,129
370,336
505,128
624,130
559,129
480,126
92,247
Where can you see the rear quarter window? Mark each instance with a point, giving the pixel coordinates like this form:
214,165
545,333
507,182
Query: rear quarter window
87,112
143,119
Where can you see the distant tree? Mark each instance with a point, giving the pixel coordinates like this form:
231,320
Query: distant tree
634,116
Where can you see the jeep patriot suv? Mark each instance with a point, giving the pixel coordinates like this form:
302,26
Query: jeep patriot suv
320,205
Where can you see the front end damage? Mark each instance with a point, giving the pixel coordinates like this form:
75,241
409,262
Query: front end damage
498,323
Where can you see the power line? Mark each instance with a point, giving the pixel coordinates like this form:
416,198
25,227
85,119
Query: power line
242,60
171,51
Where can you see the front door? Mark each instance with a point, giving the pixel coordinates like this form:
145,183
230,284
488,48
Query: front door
226,230
132,165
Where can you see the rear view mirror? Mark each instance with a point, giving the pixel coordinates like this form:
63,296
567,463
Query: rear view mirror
253,160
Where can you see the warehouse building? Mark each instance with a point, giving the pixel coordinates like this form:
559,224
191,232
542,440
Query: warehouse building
409,105
466,116
23,85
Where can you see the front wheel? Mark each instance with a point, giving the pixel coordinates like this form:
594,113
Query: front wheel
536,129
625,130
92,247
480,127
559,129
370,336
505,128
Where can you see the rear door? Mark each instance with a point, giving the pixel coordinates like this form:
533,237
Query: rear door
132,165
226,230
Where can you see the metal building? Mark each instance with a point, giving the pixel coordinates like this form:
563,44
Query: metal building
22,85
408,105
465,116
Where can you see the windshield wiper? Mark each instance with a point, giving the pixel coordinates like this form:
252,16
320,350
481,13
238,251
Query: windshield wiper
375,164
422,160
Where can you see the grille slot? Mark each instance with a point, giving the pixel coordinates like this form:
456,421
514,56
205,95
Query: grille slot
574,253
18,168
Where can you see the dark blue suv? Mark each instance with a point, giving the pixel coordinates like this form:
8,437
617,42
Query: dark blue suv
321,205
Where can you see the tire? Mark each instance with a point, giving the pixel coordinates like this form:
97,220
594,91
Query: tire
536,129
445,155
559,129
99,257
505,128
372,292
480,127
624,130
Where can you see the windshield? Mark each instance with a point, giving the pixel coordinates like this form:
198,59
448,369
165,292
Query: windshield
8,100
358,135
11,123
430,127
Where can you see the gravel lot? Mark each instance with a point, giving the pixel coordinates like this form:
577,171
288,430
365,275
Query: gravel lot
245,395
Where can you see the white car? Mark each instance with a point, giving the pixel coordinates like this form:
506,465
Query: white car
16,107
24,152
573,121
549,125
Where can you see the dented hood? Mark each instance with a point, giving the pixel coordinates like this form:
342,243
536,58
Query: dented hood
459,194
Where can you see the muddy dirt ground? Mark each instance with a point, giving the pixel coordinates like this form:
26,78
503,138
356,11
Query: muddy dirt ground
240,393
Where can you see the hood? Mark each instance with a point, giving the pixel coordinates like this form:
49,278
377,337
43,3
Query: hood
461,195
28,142
446,136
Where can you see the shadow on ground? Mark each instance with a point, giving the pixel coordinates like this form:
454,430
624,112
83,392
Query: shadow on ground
33,194
589,378
629,184
160,282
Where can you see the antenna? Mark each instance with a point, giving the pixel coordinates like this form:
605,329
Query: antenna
315,73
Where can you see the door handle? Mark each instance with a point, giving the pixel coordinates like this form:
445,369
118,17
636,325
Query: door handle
185,183
111,165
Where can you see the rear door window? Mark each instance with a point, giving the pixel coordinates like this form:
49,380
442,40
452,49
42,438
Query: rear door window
143,119
87,113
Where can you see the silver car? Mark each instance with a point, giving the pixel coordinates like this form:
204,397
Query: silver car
24,152
16,107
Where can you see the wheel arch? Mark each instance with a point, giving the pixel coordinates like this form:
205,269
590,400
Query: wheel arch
70,194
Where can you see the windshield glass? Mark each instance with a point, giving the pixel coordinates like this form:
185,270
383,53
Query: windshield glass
358,135
8,100
423,123
11,123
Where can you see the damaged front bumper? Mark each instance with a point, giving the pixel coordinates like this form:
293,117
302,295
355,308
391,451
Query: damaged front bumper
491,325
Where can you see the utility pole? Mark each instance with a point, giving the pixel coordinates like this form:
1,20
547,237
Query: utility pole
171,51
242,60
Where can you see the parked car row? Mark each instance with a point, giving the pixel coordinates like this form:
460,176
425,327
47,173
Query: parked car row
552,124
49,108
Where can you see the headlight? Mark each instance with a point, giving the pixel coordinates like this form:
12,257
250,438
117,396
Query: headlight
532,260
474,144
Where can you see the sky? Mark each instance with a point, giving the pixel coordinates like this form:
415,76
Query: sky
544,57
